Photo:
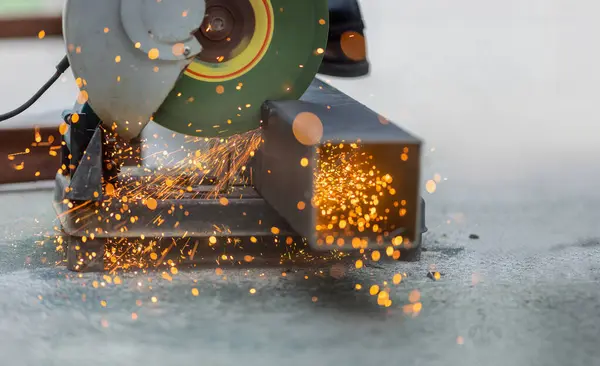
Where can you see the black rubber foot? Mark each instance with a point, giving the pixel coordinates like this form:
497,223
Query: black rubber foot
345,70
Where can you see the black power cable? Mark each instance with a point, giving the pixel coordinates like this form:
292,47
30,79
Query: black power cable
61,67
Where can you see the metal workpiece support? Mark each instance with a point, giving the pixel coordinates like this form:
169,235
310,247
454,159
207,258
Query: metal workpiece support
81,155
86,180
87,155
82,124
355,153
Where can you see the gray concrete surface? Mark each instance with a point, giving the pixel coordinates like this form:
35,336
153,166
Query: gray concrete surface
505,95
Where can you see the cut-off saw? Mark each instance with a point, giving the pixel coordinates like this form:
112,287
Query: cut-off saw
280,161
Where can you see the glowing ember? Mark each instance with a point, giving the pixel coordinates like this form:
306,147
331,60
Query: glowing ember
375,256
63,128
307,128
414,296
151,203
382,298
353,45
153,54
82,97
374,290
178,49
430,186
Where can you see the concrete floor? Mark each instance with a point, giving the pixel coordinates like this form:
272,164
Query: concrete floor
504,94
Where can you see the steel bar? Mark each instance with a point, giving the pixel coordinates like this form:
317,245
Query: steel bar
355,185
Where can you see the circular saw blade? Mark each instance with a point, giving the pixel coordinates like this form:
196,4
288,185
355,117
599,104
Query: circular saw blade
253,51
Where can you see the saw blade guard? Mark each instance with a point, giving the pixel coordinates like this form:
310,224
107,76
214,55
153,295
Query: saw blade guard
127,55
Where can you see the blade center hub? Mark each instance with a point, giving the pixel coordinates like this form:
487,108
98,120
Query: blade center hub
217,24
226,30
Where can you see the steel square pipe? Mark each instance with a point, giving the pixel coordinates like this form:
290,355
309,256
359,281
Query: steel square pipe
341,175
